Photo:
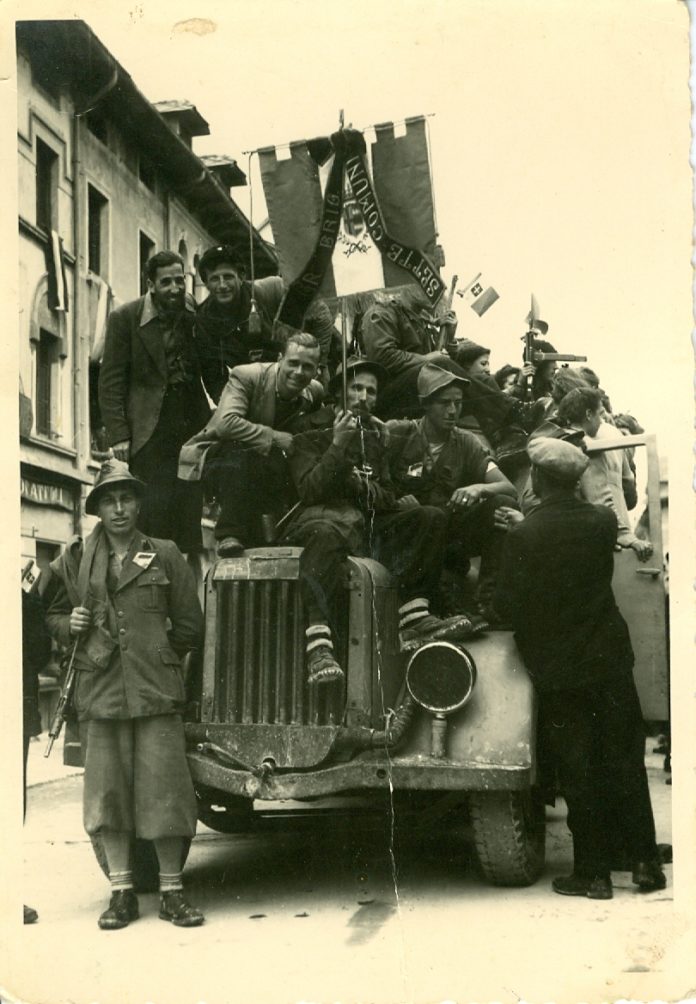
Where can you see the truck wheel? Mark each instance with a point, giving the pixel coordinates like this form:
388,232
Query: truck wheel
509,835
145,864
232,817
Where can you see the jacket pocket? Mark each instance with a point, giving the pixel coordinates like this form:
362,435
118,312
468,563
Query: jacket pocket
152,591
169,657
94,651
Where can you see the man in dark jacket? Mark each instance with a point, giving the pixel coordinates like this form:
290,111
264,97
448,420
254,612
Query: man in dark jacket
228,334
152,399
128,604
400,335
348,507
555,587
36,649
435,463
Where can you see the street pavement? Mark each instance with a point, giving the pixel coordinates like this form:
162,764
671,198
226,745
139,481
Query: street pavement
327,915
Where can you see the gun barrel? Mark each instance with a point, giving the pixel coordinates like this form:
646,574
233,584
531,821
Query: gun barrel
63,701
556,357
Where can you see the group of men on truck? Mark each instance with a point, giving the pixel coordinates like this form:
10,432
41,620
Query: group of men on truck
403,469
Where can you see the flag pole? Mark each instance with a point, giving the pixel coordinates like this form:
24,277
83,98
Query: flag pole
344,355
344,339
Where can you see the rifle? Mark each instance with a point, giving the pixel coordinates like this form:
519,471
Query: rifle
63,701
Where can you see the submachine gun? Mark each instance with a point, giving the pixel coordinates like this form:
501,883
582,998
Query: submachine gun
533,356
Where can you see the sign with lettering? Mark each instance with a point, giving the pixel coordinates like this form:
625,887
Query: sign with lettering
43,494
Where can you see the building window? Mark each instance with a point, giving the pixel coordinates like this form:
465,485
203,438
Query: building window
97,225
46,186
147,249
146,173
98,125
46,351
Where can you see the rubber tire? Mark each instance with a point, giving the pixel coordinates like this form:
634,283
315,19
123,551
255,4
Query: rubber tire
236,818
509,831
144,858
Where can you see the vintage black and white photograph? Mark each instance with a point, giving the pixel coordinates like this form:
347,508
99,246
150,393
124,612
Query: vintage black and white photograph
352,495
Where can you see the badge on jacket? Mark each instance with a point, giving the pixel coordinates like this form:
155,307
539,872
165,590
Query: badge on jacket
415,471
144,558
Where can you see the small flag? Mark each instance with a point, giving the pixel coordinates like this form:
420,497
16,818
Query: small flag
55,266
533,320
478,296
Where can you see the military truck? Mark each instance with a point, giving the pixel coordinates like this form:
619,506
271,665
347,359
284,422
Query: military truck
446,726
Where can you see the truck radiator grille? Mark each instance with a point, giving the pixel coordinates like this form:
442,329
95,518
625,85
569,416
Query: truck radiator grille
260,662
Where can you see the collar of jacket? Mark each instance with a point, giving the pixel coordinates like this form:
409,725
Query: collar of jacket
150,312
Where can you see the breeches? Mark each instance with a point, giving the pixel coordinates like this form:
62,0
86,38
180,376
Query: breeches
137,779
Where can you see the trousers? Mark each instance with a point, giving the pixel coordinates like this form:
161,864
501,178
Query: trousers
410,544
597,737
246,485
171,508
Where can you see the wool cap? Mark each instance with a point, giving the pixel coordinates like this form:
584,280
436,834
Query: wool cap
216,256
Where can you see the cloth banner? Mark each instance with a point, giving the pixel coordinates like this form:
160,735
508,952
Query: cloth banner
386,234
99,306
55,267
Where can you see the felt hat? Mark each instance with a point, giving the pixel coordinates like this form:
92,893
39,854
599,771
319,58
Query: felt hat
353,364
433,378
113,472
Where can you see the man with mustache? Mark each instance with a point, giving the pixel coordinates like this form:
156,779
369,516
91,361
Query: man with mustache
152,399
341,471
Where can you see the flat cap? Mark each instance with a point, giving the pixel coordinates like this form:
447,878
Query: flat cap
433,378
562,460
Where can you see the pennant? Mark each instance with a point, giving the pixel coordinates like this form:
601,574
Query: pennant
386,235
533,320
478,296
55,266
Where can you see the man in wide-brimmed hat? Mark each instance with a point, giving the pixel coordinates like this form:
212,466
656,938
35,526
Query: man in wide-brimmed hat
348,507
128,604
555,587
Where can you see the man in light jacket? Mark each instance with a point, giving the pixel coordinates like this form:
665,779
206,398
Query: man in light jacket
242,452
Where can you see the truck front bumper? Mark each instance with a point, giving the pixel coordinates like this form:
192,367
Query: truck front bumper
371,770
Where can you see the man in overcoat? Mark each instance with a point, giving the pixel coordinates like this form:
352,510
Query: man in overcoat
127,604
152,399
555,587
242,452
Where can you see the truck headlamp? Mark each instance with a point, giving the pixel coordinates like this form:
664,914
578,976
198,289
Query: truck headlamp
441,676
